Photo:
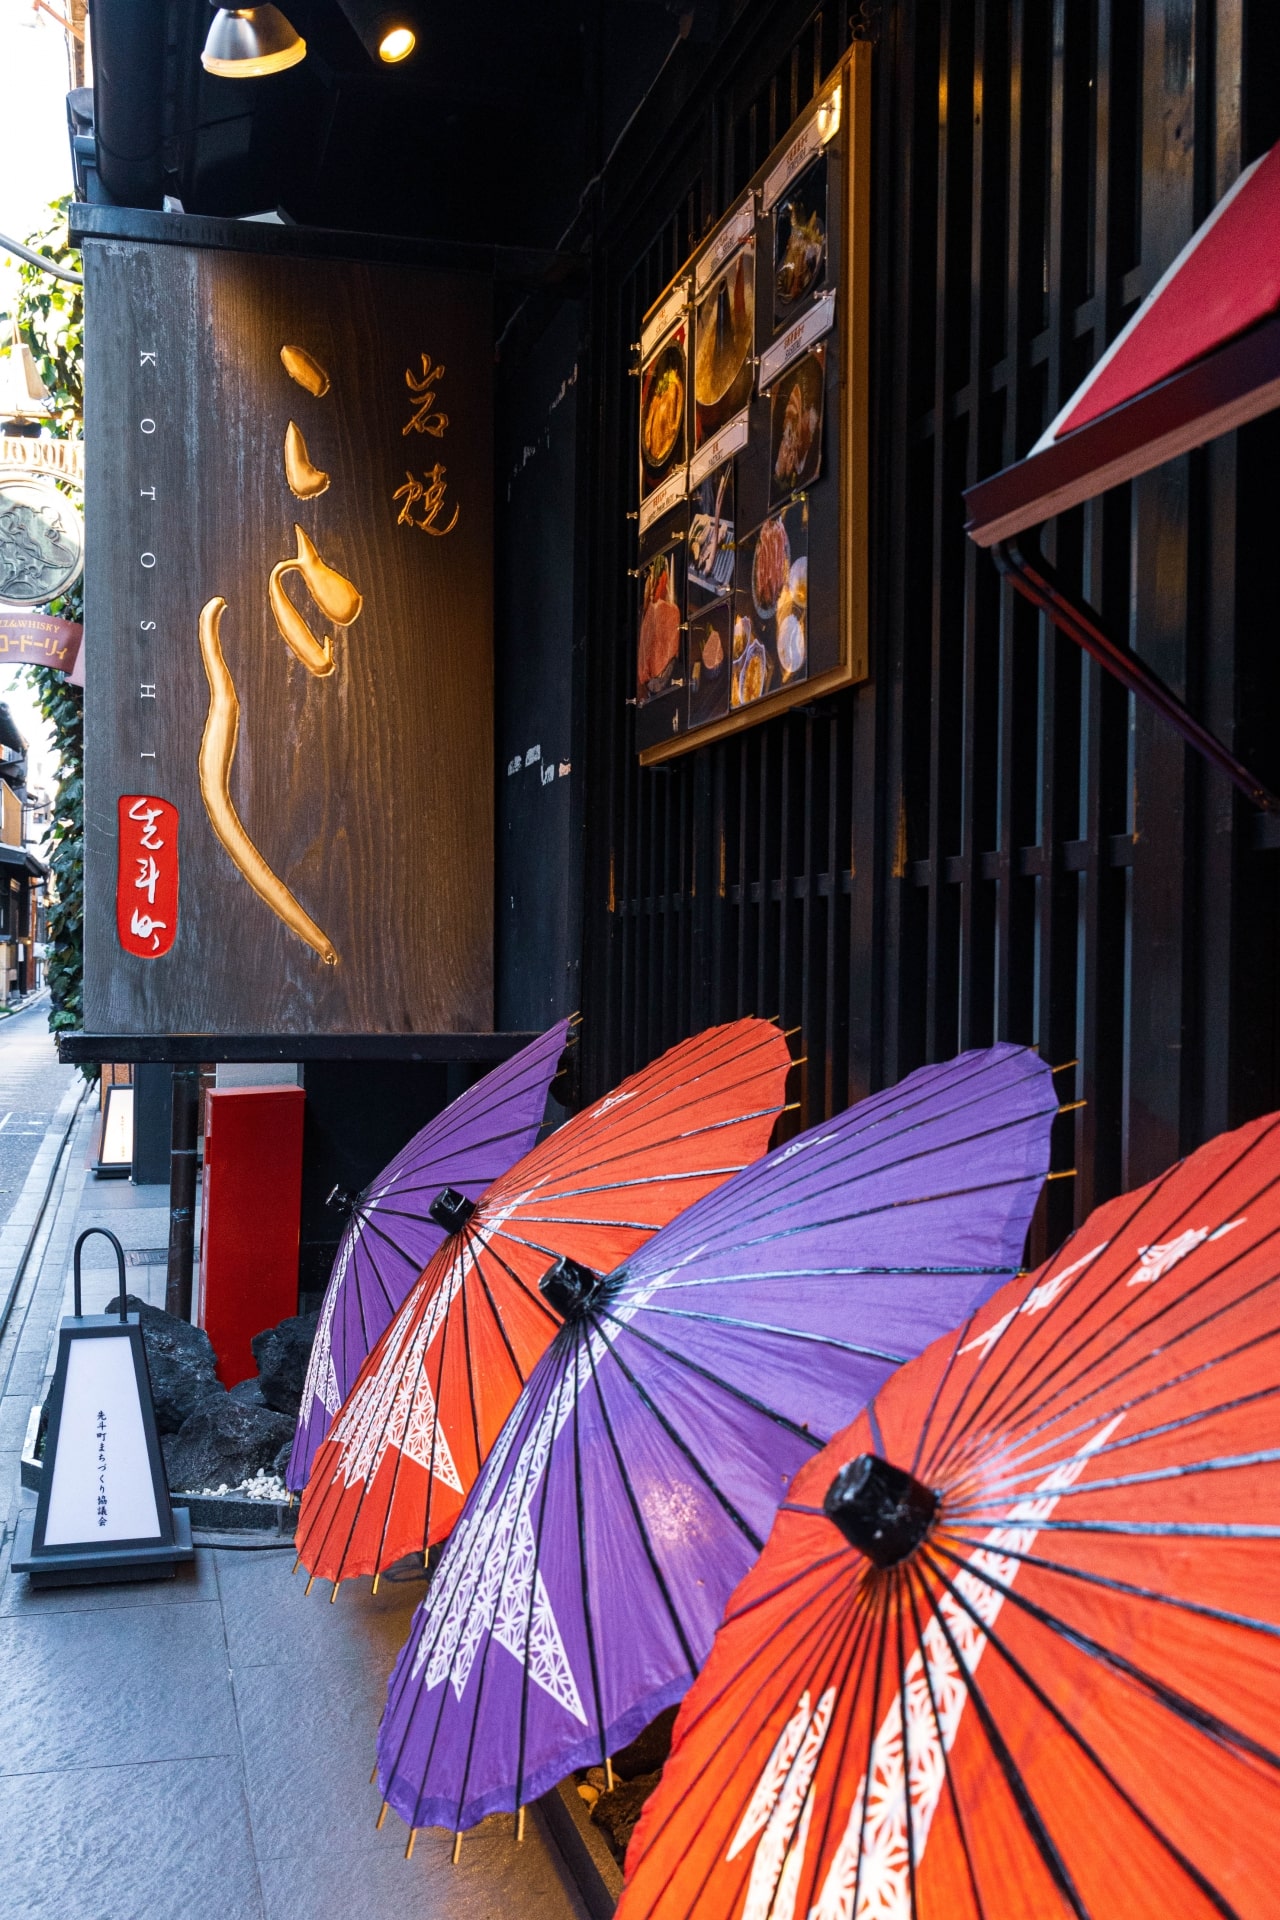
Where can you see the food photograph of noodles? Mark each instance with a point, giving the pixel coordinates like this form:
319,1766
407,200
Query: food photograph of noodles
796,407
663,397
799,243
723,366
658,642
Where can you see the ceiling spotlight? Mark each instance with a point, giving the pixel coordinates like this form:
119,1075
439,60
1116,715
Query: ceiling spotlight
389,33
244,42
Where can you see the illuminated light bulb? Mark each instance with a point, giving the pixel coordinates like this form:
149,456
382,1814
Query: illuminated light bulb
398,44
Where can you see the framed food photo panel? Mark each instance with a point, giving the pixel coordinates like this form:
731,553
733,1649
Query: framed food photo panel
753,457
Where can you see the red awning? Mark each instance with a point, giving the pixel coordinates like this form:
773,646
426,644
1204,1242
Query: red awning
1200,356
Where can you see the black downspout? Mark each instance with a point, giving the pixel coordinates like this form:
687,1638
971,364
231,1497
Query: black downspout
128,86
1037,582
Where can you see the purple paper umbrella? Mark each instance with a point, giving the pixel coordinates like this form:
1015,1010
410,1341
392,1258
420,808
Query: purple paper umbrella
639,1472
391,1234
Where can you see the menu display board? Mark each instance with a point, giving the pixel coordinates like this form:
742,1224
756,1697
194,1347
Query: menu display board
752,557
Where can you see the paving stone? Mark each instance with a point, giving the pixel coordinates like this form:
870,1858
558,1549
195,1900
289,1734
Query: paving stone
270,1621
308,1749
15,1411
103,1688
494,1879
165,1841
196,1581
149,1731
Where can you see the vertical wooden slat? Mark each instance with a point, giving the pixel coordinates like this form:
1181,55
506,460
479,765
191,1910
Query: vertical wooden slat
1035,168
1153,1119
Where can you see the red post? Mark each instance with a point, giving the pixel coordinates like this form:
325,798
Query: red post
252,1209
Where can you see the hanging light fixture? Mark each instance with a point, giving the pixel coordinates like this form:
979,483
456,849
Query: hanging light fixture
244,42
388,33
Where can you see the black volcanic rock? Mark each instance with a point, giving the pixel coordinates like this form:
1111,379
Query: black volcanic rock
282,1354
223,1443
180,1361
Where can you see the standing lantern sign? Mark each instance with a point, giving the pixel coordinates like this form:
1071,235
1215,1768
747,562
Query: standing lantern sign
103,1511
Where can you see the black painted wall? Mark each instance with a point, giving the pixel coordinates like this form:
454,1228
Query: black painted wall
538,784
988,839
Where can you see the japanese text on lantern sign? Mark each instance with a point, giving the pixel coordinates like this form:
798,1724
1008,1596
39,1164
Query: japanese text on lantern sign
147,875
100,1437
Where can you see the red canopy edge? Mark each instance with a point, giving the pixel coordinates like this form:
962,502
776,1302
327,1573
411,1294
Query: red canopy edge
1228,387
1225,280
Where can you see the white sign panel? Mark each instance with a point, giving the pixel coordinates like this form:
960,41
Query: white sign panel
811,140
737,228
820,319
730,439
664,319
101,1489
672,490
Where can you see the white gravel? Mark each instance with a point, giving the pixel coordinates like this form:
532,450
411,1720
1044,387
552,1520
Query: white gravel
259,1486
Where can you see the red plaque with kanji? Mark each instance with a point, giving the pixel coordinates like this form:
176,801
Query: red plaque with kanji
147,875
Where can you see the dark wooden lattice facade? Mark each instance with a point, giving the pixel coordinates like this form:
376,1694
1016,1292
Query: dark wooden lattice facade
988,839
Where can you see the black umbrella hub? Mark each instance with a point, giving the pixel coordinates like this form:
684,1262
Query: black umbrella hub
451,1209
880,1509
570,1288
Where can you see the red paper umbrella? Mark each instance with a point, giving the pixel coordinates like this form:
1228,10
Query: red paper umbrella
433,1394
1011,1652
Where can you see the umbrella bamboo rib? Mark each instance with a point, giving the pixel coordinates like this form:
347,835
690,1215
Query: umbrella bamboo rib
1107,1387
1059,1436
529,1289
542,1495
763,1326
836,1637
912,1578
809,1168
477,1546
705,1373
641,1530
1073,1733
1020,1793
1037,1384
1222,1463
585,1576
990,1374
464,1306
1108,1584
721,1498
1178,1704
871,1747
498,1317
898,1591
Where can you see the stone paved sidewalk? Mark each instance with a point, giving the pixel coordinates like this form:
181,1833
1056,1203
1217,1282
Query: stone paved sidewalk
202,1746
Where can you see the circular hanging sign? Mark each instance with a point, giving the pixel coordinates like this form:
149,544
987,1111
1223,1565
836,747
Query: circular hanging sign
41,539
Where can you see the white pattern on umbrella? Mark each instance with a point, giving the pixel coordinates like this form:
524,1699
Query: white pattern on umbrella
879,1849
489,1582
322,1377
394,1406
783,1805
935,1700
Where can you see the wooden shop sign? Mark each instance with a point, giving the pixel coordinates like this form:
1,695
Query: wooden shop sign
289,679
